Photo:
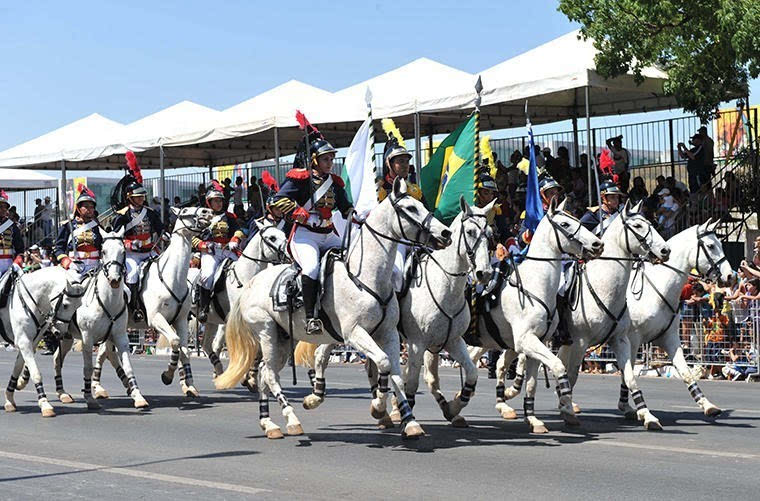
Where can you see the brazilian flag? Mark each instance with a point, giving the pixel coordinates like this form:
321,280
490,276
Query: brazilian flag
450,171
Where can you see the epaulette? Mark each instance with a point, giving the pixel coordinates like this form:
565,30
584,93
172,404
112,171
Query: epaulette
338,181
593,209
381,194
298,174
123,210
231,215
414,191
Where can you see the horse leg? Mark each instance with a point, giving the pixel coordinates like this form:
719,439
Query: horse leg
457,348
121,344
571,357
272,431
217,346
529,344
97,389
162,326
251,380
672,346
10,392
186,373
115,360
622,348
502,367
211,331
623,405
87,345
23,379
60,354
321,360
26,348
529,401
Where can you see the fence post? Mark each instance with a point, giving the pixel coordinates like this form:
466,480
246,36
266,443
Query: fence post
670,151
576,155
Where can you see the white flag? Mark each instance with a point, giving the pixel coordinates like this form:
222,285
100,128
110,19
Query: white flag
359,174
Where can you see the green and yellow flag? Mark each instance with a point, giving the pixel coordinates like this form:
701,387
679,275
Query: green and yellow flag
449,173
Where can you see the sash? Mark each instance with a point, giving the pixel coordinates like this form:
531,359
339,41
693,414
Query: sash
136,220
7,224
319,193
81,229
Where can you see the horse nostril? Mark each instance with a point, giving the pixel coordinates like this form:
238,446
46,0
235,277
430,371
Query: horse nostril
446,234
597,244
665,251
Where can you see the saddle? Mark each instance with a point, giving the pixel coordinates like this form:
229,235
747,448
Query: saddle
411,271
481,304
7,284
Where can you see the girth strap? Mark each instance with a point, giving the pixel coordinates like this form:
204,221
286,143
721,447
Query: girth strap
603,307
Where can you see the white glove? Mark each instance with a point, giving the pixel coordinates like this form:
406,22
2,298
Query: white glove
136,244
233,245
18,269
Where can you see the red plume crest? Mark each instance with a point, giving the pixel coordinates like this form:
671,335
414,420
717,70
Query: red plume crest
270,181
216,186
606,162
305,125
134,168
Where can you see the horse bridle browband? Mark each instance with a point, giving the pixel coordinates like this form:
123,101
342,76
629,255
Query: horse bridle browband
714,265
643,240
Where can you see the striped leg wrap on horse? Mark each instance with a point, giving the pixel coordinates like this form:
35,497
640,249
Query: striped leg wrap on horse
87,390
263,407
181,373
696,393
406,411
96,373
410,398
121,375
563,386
467,391
638,399
25,374
40,391
312,375
440,399
373,390
500,392
188,373
59,384
518,384
282,400
131,385
12,384
319,387
382,382
623,394
213,358
174,360
529,406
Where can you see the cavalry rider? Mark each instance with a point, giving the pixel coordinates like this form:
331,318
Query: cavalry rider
142,229
224,242
79,239
486,192
611,195
11,243
273,216
548,188
313,232
396,164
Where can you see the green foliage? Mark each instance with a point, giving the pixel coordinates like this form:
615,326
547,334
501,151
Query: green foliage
709,48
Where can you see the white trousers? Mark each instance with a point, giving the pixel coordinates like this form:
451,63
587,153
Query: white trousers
5,264
398,266
210,263
307,246
133,261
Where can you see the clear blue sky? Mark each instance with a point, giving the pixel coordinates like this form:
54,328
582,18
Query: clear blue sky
64,60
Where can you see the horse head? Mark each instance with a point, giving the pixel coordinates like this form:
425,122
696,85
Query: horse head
113,257
640,237
474,234
413,222
710,260
272,244
571,236
192,220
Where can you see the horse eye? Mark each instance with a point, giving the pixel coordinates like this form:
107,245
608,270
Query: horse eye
471,233
564,224
711,246
413,209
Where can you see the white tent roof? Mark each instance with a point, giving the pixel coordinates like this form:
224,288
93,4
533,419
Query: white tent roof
14,179
293,94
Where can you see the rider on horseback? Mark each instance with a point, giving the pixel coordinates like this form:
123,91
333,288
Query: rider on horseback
79,238
308,197
142,227
11,243
548,188
611,195
224,242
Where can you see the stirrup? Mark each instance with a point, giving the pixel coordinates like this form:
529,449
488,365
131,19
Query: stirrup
313,326
138,315
203,315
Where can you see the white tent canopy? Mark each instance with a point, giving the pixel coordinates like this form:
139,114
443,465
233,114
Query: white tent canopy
14,179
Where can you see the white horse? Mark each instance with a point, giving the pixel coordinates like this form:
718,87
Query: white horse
654,301
40,300
358,300
165,294
102,319
525,313
434,314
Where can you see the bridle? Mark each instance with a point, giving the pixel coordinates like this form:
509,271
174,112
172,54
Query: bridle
121,265
422,227
714,269
265,244
482,233
644,241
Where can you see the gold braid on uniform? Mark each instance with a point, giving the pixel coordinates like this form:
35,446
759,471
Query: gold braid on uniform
286,205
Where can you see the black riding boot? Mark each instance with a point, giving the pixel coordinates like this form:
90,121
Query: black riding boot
134,303
561,335
204,305
493,357
310,291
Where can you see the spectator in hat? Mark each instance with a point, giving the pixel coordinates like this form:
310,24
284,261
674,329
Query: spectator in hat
667,211
622,159
708,145
695,162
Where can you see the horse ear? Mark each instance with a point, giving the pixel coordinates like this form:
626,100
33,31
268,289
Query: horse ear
561,207
399,187
175,210
627,207
259,225
714,226
637,209
121,232
466,210
490,207
553,205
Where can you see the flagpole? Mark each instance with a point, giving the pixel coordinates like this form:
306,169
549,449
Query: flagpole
478,89
371,142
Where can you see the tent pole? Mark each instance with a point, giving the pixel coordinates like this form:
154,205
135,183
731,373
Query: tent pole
589,153
163,185
26,225
576,154
417,144
62,198
276,152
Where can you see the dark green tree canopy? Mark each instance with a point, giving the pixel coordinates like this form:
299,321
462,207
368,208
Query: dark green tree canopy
709,48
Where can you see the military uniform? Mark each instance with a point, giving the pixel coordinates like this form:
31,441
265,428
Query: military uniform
590,219
11,243
224,229
143,227
79,241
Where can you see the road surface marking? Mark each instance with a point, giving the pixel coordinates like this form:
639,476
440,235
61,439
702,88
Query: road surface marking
680,450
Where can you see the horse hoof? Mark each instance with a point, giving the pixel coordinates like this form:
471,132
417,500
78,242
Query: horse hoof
713,411
141,403
412,431
571,420
507,413
100,393
274,434
294,430
167,378
385,423
652,425
576,408
311,402
395,416
191,392
93,406
65,398
631,416
459,422
9,407
48,412
539,429
375,413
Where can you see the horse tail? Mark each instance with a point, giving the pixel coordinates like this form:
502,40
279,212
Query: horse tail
305,354
241,346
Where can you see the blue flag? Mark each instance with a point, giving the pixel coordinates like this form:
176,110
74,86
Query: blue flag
534,209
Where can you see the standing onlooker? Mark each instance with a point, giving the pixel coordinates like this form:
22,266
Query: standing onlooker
708,145
265,189
622,159
37,225
694,162
639,191
227,190
201,195
237,198
47,217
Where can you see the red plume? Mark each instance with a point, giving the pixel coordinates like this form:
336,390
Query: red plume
270,181
218,187
606,162
134,168
304,124
3,194
80,187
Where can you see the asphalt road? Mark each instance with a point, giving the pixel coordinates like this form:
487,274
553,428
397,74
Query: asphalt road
214,447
